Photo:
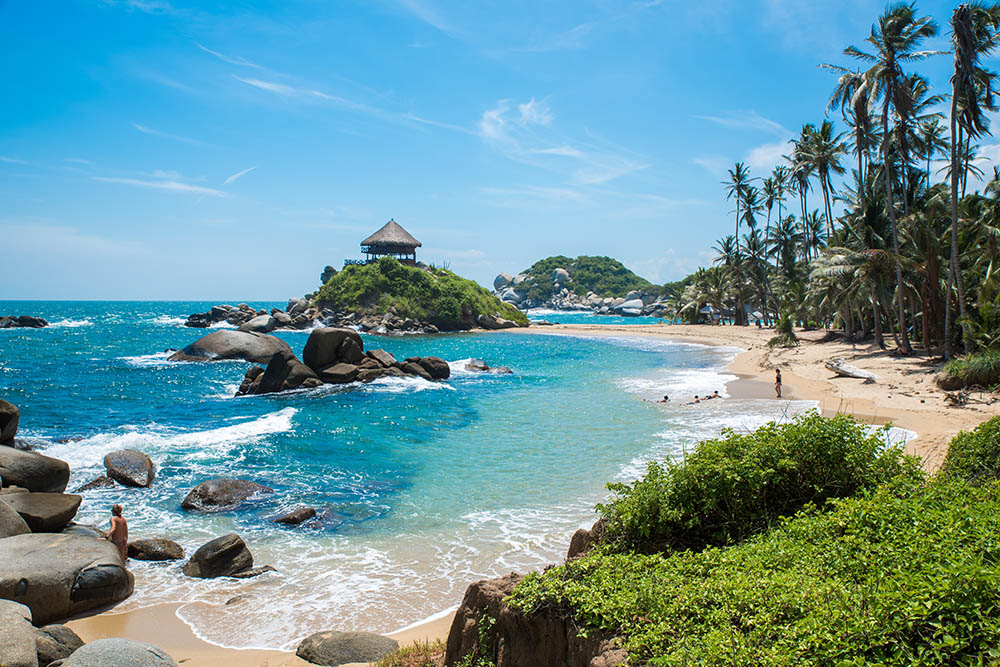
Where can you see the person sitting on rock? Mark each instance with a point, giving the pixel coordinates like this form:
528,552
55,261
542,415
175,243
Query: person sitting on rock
118,535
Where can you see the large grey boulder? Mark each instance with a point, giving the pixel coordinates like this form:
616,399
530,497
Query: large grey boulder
260,324
223,556
231,344
221,494
436,367
340,648
384,359
32,471
44,512
11,522
55,642
501,281
129,467
155,548
284,371
17,636
116,652
341,373
9,416
323,348
58,576
560,276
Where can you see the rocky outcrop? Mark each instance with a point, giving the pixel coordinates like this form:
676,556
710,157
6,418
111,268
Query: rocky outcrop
339,648
584,540
24,645
11,522
221,494
32,471
329,345
22,321
58,576
9,417
296,516
544,639
116,652
284,371
102,482
300,315
229,344
130,468
55,642
493,322
480,366
155,548
223,556
44,512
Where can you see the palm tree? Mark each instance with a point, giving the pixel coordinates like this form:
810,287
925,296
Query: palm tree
812,233
769,191
782,185
824,151
930,142
895,39
752,206
785,240
973,36
802,167
852,98
739,179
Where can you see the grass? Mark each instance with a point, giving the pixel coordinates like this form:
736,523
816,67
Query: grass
979,369
433,295
418,654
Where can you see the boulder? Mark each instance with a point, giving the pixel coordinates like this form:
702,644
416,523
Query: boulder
55,642
284,371
328,272
339,373
413,368
74,528
32,471
102,482
949,382
11,522
155,548
9,416
282,320
560,277
339,648
296,516
476,366
44,512
518,279
117,652
384,359
230,344
501,281
436,367
221,494
252,572
18,647
260,324
323,347
223,556
58,576
129,467
351,351
631,304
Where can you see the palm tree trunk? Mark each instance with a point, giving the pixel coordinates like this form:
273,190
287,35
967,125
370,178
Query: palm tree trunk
904,341
877,317
956,271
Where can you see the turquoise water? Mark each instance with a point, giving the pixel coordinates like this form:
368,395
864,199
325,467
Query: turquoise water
425,487
585,317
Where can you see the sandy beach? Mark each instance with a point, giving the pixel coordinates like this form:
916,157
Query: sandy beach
904,394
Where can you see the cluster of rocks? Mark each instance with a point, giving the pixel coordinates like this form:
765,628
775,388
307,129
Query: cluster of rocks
514,290
22,321
334,356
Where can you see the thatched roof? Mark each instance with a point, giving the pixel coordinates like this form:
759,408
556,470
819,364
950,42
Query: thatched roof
392,234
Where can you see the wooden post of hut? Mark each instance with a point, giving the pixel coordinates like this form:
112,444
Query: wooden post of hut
391,241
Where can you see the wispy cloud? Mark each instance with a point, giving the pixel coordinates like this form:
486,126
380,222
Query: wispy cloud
77,160
437,123
747,120
535,112
232,60
12,160
166,135
238,175
426,13
766,157
312,94
167,185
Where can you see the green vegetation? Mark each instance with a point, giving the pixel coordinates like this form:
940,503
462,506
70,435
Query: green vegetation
979,369
975,456
786,333
418,654
898,570
485,645
740,483
603,276
432,295
905,576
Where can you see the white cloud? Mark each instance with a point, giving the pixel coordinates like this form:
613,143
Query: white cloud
12,160
166,135
766,157
238,175
310,93
564,151
749,120
232,60
492,122
168,185
427,14
535,112
77,160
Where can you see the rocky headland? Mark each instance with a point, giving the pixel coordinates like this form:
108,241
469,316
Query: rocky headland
22,321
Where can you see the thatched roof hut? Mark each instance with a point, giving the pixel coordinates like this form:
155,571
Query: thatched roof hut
391,240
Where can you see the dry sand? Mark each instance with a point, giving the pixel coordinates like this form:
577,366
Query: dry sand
904,394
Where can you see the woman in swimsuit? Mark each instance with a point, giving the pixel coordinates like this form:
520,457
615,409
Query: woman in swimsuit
118,535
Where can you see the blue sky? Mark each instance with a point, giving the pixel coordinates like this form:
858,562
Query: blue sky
165,149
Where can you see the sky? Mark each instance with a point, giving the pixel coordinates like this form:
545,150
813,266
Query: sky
167,149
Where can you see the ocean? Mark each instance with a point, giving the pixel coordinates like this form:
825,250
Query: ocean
423,487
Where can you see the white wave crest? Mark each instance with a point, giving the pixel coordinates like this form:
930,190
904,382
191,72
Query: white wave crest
155,360
398,385
166,320
70,324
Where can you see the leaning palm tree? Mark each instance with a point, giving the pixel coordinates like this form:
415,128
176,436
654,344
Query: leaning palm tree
895,39
973,35
852,98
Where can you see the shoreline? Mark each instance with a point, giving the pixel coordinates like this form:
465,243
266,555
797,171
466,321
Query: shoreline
904,395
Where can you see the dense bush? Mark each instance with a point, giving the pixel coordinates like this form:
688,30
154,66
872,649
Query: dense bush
603,276
786,333
907,575
975,456
432,295
738,484
980,369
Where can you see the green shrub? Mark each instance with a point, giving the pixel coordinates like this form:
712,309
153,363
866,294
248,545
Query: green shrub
603,276
906,576
979,369
434,295
418,654
974,455
786,333
738,484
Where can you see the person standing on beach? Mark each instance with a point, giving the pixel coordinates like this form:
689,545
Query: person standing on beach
118,535
777,382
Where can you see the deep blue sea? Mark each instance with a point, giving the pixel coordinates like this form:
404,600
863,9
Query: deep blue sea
425,487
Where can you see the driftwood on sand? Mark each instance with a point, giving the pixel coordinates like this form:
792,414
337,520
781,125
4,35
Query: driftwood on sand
841,367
